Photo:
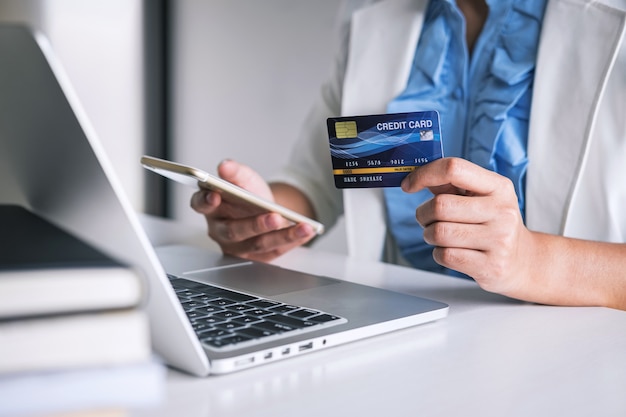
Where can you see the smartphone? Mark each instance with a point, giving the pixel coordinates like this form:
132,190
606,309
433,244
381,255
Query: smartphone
196,178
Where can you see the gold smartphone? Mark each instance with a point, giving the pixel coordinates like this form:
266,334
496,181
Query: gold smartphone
197,178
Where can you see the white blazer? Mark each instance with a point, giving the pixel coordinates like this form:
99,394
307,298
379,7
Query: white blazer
576,179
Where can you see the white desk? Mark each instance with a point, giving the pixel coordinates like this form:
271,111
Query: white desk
490,357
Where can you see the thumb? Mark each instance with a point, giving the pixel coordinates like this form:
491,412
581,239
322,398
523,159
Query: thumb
244,177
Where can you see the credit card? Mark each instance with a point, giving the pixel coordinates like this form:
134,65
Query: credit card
380,150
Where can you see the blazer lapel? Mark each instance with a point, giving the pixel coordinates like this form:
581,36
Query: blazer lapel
383,38
578,45
382,44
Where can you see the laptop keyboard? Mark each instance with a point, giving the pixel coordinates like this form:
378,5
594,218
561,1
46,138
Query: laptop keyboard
224,318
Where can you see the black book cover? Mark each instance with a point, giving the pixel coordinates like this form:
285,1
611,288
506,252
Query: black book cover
28,241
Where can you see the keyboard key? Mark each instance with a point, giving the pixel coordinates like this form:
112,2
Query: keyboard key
222,302
195,314
213,342
199,327
229,340
239,307
255,333
190,305
182,298
208,309
274,326
258,312
323,318
226,314
187,293
213,333
235,296
211,320
247,320
264,303
284,308
204,298
185,283
302,314
229,325
290,321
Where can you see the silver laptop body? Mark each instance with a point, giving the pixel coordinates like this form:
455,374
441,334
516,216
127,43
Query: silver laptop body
51,162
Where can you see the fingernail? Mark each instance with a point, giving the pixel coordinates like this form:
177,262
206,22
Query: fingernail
271,221
404,184
210,197
303,230
223,161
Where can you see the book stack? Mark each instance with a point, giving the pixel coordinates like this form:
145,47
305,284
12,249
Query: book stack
73,337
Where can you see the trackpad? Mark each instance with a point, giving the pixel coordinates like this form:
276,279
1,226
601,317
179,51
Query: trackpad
261,279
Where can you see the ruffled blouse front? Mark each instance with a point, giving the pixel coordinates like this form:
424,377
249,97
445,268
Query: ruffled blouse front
483,100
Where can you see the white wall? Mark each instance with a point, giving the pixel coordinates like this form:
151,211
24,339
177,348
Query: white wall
244,75
99,43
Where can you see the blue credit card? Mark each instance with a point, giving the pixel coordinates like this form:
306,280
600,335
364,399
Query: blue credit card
380,150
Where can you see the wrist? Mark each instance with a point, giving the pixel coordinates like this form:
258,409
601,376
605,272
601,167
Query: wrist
565,271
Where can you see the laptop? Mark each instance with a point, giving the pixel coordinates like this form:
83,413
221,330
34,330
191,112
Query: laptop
52,163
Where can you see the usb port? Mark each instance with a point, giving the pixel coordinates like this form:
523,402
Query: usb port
306,346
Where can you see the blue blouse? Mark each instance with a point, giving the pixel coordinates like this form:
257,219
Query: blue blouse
483,101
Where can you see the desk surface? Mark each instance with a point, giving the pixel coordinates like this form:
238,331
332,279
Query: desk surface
491,356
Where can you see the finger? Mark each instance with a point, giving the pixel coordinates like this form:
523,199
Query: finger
454,208
460,259
205,201
460,235
271,245
211,203
476,264
237,230
452,174
244,177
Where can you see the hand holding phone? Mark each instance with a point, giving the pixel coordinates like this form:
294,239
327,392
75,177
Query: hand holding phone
196,178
